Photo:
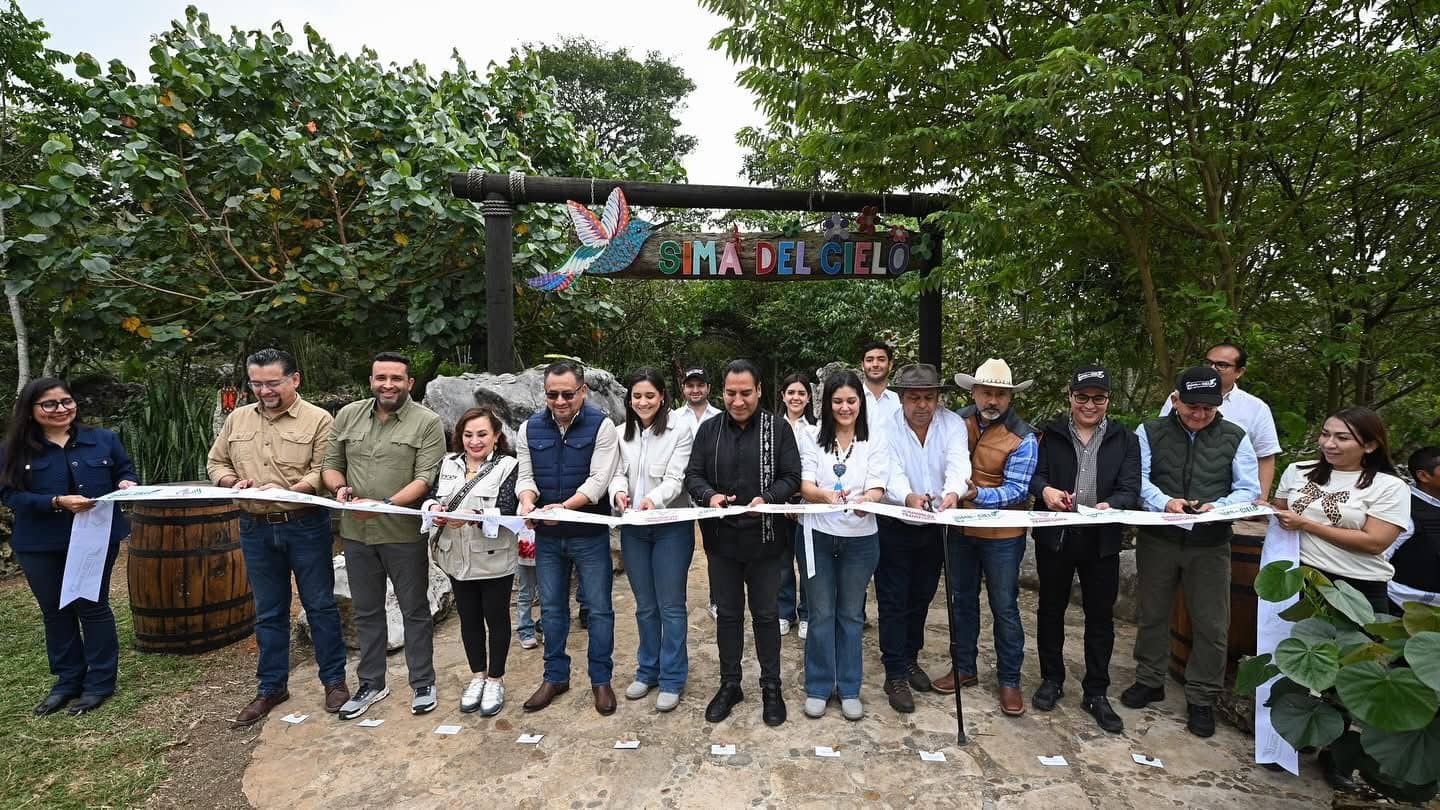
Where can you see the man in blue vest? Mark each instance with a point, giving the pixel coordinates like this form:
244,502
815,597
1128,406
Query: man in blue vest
568,454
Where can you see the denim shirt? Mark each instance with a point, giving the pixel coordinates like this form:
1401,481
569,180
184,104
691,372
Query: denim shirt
92,463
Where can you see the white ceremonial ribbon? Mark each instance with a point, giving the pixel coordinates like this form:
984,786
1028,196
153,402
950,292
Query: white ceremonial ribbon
1270,630
85,558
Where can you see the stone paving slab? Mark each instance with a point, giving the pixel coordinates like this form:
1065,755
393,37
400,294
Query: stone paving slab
326,763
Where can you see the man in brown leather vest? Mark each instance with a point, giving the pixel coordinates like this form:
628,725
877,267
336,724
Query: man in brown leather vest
1003,452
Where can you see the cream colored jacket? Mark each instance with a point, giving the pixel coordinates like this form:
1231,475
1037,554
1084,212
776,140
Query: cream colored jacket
461,549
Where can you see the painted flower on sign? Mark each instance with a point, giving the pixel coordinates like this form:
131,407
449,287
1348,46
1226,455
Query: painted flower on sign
837,228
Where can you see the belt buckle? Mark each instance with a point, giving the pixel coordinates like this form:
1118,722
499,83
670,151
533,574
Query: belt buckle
275,518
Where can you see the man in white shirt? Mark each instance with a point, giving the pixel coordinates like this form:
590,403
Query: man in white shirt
931,471
1243,408
876,360
695,386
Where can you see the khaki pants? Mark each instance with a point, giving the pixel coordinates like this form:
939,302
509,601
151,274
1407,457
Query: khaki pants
1204,572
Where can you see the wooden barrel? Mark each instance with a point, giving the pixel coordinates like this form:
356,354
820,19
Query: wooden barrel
1240,641
188,589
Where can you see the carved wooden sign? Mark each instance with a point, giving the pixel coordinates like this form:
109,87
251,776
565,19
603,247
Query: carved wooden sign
773,257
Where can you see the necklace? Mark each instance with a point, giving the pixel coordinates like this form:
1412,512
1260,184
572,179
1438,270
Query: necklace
839,467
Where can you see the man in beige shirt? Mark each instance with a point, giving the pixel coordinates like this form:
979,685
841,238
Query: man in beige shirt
279,442
387,449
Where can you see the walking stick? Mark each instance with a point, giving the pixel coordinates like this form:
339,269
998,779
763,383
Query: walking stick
950,624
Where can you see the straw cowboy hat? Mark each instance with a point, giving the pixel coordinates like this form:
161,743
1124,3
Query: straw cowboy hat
994,373
918,376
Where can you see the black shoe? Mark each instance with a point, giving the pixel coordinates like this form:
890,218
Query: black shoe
86,703
898,690
723,702
1333,777
919,681
1046,696
1202,720
52,703
1105,717
1138,696
772,705
584,618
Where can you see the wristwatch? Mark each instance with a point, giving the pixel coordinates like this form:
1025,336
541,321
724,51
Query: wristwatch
388,502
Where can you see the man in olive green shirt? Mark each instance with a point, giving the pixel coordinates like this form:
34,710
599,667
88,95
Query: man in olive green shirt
387,449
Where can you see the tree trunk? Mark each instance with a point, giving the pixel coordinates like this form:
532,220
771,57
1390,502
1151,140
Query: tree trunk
1139,240
22,337
53,353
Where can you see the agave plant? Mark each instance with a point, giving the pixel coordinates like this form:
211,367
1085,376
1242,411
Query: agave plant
1366,686
168,430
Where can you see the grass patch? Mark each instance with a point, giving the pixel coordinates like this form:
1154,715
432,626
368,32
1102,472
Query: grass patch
107,758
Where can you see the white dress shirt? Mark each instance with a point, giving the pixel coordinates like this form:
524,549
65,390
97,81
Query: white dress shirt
867,466
686,414
878,410
1249,412
940,465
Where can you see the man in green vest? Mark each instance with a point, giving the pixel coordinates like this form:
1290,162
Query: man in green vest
1191,461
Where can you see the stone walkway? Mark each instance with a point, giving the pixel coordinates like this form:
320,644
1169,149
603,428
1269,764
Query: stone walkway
326,763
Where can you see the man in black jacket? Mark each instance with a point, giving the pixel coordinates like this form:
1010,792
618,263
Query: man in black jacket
1416,553
749,457
1084,461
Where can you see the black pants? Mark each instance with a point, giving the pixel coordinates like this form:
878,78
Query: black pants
905,582
484,609
731,581
1099,585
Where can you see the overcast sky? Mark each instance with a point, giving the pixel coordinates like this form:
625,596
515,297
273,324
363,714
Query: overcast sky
427,30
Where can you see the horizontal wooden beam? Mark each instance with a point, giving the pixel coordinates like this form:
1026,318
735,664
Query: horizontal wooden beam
475,185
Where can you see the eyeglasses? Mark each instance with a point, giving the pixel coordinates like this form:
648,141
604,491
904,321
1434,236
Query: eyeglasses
1219,365
565,395
53,405
1086,399
261,385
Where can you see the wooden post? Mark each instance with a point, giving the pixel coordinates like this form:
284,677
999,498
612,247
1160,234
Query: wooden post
499,285
931,315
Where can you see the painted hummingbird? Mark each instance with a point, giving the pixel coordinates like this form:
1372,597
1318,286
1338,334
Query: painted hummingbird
608,243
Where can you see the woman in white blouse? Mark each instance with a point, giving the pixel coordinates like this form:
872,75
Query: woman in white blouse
795,408
1348,506
838,551
651,474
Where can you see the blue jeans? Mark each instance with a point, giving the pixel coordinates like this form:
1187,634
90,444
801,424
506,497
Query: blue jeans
80,638
526,597
657,562
792,588
834,660
999,561
272,552
905,583
590,557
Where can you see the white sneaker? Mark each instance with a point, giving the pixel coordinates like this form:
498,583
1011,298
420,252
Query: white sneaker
528,643
637,690
471,697
804,629
362,700
784,627
424,700
492,700
666,701
814,707
714,612
852,708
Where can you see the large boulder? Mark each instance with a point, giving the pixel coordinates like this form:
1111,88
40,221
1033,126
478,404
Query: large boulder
442,600
515,397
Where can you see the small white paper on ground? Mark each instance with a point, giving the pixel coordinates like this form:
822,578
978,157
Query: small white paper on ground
627,744
1056,761
529,739
295,718
826,751
932,756
723,750
1141,759
447,730
371,723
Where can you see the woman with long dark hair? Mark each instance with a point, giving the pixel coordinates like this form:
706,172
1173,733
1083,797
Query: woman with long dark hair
838,552
481,561
1348,505
651,475
795,409
51,469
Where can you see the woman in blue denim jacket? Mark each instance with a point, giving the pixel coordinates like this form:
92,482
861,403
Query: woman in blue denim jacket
51,468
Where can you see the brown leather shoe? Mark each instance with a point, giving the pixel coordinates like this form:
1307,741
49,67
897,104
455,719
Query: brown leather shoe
1011,702
259,707
945,684
547,692
604,699
336,695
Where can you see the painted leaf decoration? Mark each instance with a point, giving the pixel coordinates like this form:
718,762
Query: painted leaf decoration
587,226
617,213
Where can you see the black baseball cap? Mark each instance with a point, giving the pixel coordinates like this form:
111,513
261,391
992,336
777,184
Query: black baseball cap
1090,377
695,374
1199,385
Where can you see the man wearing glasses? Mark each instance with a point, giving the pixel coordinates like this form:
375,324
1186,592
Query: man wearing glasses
1084,461
568,453
279,442
1243,408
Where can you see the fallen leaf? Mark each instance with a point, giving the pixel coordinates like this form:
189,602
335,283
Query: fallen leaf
185,128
